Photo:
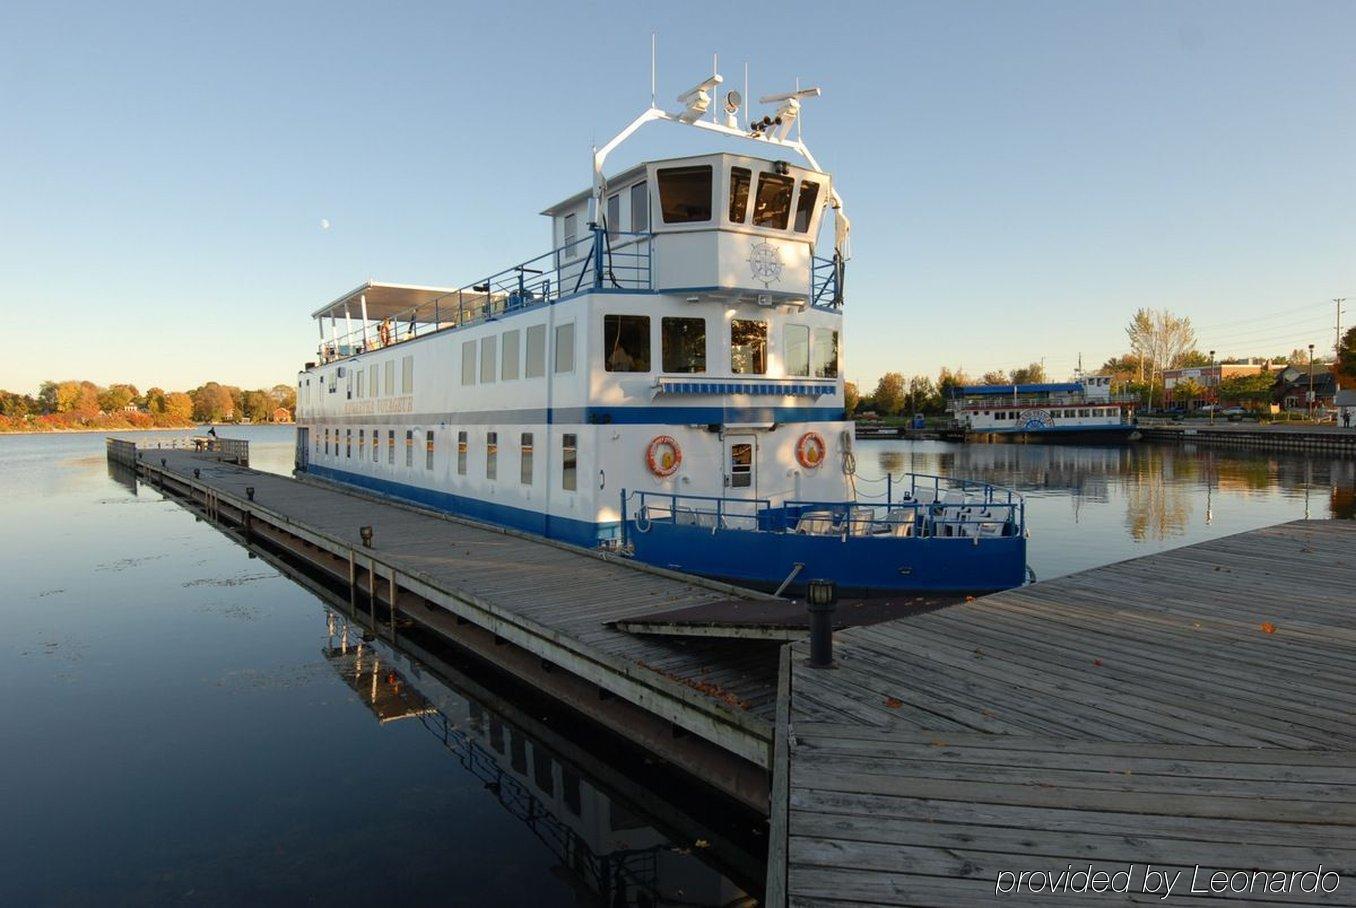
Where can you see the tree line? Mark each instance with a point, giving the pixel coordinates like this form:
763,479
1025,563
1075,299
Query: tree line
1158,341
77,404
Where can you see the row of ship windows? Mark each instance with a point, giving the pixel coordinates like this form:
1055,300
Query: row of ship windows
1056,414
343,446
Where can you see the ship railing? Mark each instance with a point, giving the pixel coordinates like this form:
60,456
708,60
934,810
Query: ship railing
826,282
601,261
1002,400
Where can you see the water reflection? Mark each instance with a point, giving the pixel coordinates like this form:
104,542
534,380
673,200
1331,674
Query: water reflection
608,851
1090,505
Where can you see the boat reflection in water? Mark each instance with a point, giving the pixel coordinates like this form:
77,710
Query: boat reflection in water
617,840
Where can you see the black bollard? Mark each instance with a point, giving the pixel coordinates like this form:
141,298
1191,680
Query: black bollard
249,492
822,600
366,534
196,473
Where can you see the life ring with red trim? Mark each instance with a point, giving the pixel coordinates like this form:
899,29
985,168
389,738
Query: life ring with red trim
663,456
810,450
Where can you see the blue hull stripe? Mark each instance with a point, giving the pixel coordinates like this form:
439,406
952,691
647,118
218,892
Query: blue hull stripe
578,532
626,416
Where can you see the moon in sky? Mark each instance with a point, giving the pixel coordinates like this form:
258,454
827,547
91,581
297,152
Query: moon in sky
324,223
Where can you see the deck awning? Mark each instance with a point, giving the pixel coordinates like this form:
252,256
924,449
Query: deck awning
404,302
773,387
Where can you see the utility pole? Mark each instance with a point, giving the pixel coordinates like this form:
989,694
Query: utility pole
1214,398
1337,344
1311,383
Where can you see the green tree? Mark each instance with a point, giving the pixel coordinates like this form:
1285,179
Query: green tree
1345,366
922,395
888,398
258,406
1188,390
155,400
1247,389
114,398
949,383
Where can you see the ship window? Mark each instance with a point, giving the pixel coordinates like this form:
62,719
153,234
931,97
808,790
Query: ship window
569,461
826,353
525,469
683,344
640,208
614,214
359,391
685,194
390,446
409,447
348,442
361,442
535,367
1083,413
741,178
508,357
407,375
805,205
461,452
797,350
491,455
564,348
772,207
488,366
741,465
626,343
571,235
327,441
348,392
428,450
748,347
376,445
390,377
374,380
468,362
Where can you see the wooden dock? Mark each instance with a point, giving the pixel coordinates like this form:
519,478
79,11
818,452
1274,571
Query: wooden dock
538,609
1188,708
1274,437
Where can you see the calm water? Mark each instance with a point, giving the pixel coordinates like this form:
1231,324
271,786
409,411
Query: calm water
184,723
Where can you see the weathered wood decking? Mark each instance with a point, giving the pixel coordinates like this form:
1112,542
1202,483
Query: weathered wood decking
1193,707
550,600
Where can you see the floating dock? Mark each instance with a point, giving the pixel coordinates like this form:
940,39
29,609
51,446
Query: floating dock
1189,708
1192,707
1275,437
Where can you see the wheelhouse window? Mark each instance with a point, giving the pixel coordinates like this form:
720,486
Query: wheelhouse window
626,343
488,366
571,234
564,348
741,178
614,214
468,362
491,455
797,354
825,354
569,461
525,451
535,367
685,194
748,347
772,207
805,205
461,452
508,359
640,207
683,342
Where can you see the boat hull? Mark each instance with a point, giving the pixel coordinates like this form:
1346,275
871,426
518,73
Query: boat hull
860,565
1071,435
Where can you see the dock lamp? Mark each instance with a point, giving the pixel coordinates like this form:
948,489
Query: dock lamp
366,534
1215,378
822,601
249,492
1311,382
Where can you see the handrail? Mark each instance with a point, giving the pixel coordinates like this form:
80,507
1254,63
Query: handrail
602,261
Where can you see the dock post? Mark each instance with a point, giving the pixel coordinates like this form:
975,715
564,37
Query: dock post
822,601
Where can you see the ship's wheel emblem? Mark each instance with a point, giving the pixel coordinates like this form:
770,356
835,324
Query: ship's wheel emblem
765,261
1033,420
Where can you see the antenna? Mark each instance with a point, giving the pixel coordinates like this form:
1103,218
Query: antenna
799,134
715,71
653,40
746,92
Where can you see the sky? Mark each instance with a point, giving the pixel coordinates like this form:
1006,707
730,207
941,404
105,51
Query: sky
1020,176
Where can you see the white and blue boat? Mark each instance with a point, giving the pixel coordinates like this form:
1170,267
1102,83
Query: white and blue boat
665,382
1084,410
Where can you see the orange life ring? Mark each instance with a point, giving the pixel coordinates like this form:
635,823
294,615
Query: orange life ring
810,450
663,456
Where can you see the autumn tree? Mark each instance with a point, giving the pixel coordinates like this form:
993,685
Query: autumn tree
155,400
949,383
1345,366
258,406
178,405
212,403
995,377
284,396
922,395
1030,374
1162,339
889,394
851,397
117,397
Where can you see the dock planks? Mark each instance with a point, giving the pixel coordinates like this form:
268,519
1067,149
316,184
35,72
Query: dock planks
1192,707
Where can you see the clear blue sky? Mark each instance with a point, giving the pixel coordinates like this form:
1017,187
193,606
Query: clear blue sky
1021,176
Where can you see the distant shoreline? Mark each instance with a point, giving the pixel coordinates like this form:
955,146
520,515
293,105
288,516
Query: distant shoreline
117,430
